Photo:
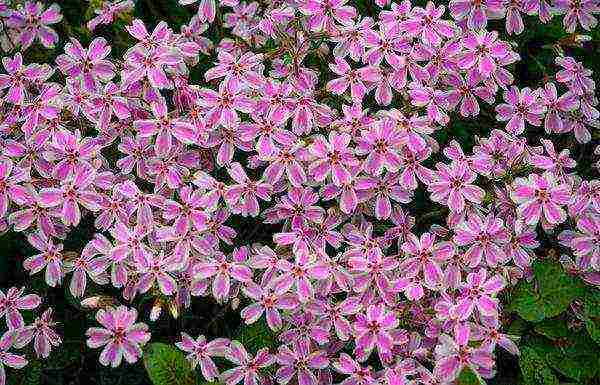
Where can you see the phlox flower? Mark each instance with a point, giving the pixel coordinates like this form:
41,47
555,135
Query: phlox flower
120,335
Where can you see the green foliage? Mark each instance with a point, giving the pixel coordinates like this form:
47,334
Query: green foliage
256,336
469,377
32,375
166,365
534,368
548,296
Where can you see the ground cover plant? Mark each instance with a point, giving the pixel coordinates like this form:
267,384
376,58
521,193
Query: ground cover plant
303,192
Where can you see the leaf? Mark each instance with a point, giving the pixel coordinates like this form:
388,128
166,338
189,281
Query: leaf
469,377
578,359
552,328
554,291
534,368
166,365
256,336
30,375
591,314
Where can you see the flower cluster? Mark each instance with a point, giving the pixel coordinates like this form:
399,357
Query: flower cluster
333,157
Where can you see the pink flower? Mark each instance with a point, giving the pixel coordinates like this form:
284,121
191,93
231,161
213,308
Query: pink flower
556,106
426,24
521,106
90,64
475,11
120,335
224,104
373,330
479,292
453,186
76,190
49,258
243,195
200,352
485,238
581,12
11,360
358,375
351,78
426,256
223,270
165,128
323,14
12,302
541,195
18,77
268,303
42,334
574,75
380,142
333,157
481,51
454,354
248,367
32,22
300,361
108,12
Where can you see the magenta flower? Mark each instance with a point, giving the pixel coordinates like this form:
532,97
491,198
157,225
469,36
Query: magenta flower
18,77
50,258
268,303
425,23
11,189
575,75
223,105
556,106
454,186
32,22
485,237
11,360
521,106
380,143
108,12
333,157
158,269
541,195
120,336
453,355
107,103
300,204
478,292
325,14
299,274
76,190
223,270
242,70
581,12
481,52
248,368
358,375
373,270
426,256
199,352
242,196
268,134
165,128
474,11
42,333
300,361
90,64
12,302
374,330
354,79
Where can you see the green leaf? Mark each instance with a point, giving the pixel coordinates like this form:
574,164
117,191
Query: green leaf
552,328
591,314
256,336
469,377
30,375
534,368
167,366
552,294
